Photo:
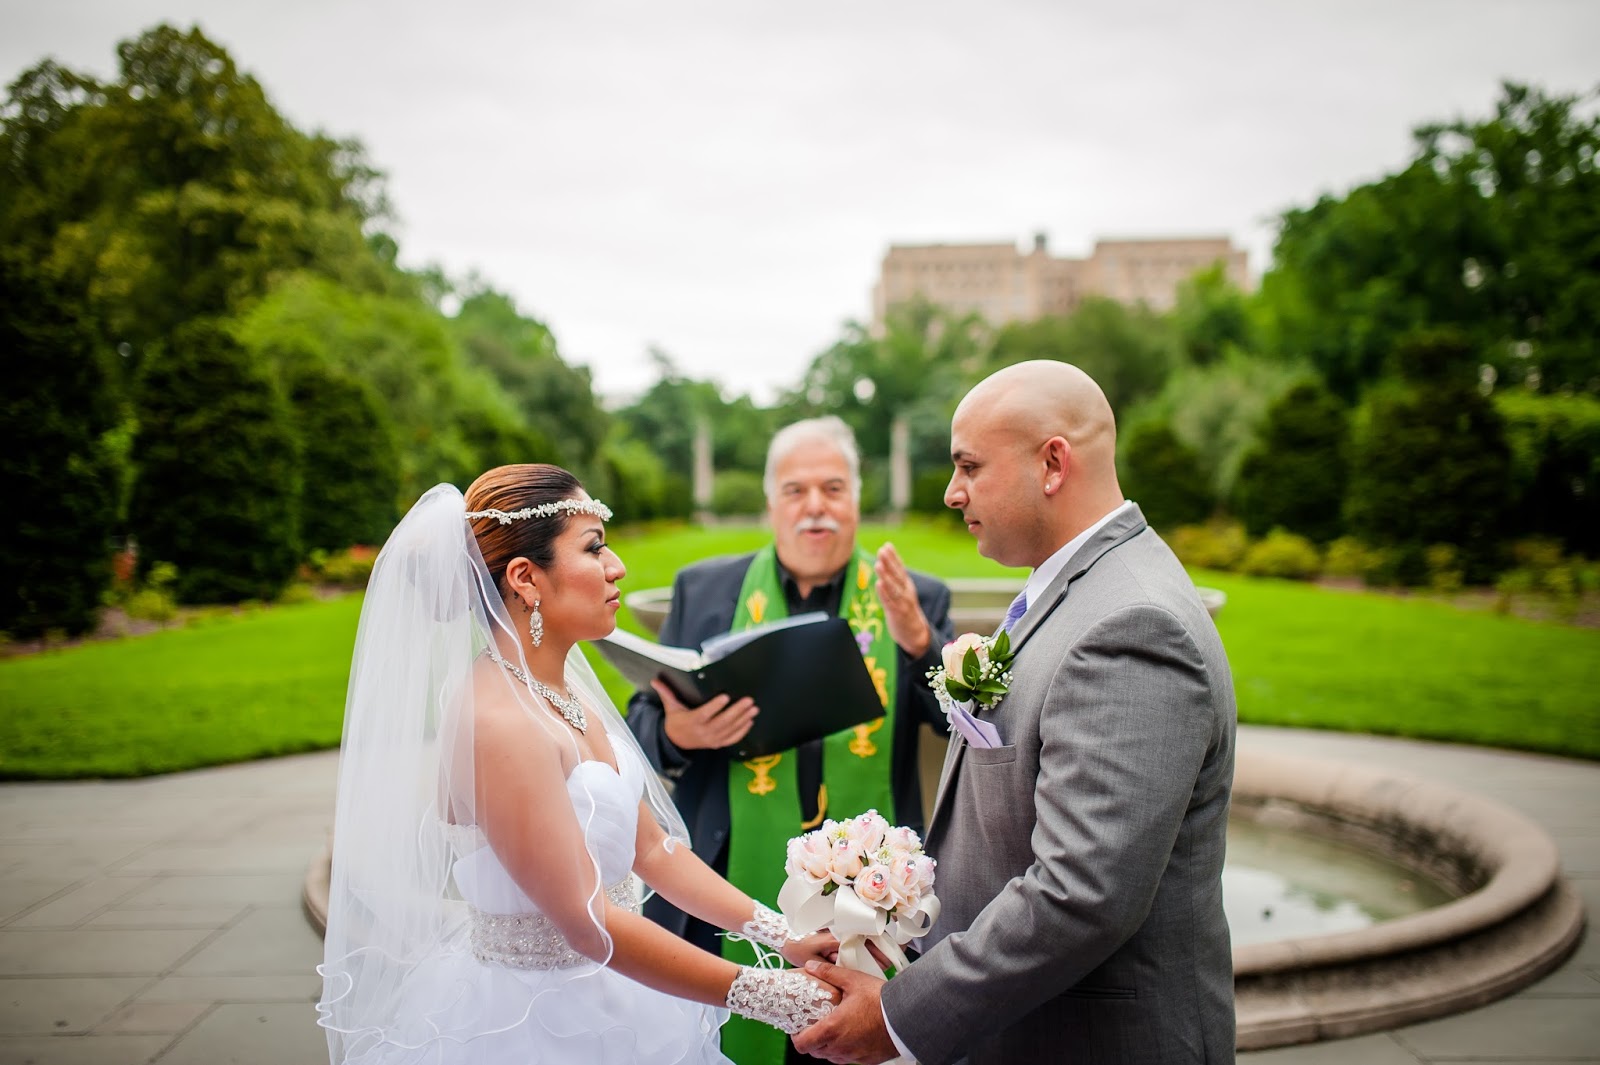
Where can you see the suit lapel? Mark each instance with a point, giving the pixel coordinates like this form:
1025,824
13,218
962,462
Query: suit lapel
1116,532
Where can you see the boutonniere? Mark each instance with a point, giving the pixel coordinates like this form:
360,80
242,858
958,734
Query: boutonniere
972,670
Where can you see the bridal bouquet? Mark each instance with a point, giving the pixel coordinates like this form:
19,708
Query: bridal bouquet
865,882
972,669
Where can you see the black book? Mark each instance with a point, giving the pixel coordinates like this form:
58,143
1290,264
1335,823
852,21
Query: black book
804,672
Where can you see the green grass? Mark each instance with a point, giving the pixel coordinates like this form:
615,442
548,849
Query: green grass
1370,662
228,689
272,682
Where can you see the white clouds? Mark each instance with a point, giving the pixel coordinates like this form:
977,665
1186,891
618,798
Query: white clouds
721,178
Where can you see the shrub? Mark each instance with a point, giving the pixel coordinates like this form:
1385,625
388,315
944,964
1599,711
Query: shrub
350,459
1283,554
219,478
350,568
1555,448
738,492
153,600
58,475
1347,557
297,592
1294,476
1165,477
1429,462
1216,545
1444,568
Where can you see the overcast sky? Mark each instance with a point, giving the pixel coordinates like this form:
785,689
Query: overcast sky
722,179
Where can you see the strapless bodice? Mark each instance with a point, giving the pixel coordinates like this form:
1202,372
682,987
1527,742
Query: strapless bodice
606,802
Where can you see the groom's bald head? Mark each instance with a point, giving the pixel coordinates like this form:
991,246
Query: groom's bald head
1033,401
1034,446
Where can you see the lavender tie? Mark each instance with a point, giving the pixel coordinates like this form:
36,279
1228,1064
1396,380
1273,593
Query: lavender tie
1019,606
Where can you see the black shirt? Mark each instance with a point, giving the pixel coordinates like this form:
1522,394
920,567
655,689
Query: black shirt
808,756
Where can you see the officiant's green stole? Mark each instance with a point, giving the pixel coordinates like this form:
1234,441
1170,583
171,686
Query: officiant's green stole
764,793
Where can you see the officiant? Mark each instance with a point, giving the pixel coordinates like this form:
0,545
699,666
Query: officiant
741,814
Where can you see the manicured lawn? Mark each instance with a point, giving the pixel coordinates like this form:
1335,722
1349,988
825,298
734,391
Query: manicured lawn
228,690
273,682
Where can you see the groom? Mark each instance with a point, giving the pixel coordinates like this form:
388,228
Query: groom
1080,858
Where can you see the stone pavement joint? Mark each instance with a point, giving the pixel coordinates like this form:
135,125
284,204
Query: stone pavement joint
206,957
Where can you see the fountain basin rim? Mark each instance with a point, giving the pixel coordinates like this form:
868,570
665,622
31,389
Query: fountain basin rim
1521,860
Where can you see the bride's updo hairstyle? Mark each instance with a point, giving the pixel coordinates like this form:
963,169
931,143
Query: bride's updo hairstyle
513,488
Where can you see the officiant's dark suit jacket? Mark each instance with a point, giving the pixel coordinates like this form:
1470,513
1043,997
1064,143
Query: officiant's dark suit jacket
1080,862
704,598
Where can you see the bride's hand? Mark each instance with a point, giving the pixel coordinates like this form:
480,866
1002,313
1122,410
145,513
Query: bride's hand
818,945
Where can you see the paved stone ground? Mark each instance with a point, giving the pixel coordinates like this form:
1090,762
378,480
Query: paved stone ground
159,920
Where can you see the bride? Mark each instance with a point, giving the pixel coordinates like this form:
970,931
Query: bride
494,815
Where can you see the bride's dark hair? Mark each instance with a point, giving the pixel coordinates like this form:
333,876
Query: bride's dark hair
512,488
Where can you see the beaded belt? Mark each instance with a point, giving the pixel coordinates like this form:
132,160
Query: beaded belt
532,940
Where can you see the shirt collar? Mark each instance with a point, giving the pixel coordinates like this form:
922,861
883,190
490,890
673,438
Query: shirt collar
1051,567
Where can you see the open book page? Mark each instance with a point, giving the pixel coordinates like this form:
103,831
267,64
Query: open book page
684,658
719,647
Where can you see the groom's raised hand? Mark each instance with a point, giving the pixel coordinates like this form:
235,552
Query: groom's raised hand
854,1031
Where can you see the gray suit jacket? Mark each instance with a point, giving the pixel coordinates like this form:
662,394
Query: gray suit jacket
1080,863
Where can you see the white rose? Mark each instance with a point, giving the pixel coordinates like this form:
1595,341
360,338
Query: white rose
957,649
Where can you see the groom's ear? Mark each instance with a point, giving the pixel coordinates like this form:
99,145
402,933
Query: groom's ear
1056,454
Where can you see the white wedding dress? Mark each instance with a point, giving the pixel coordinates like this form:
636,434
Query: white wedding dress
483,1000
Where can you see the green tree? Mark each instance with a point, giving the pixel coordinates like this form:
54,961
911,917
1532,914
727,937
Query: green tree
1164,476
1217,409
349,457
520,354
665,418
451,420
1493,228
1129,351
177,191
1429,462
219,469
57,474
1211,316
916,369
1294,477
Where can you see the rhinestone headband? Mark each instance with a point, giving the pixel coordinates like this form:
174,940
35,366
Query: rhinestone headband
546,510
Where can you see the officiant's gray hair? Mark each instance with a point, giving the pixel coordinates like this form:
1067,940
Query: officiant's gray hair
828,430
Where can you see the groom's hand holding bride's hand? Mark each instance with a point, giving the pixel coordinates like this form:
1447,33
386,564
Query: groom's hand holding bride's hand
819,946
854,1031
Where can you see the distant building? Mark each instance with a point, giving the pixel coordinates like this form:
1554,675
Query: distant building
1005,285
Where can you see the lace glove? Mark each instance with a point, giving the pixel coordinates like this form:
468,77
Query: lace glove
769,928
787,999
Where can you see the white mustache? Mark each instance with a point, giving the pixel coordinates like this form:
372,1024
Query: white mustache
805,525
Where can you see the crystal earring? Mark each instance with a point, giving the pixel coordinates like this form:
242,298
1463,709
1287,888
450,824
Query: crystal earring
536,625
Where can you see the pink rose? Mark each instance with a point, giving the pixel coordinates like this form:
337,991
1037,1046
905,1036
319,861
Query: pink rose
872,829
957,649
905,884
924,866
872,887
810,859
902,842
845,861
